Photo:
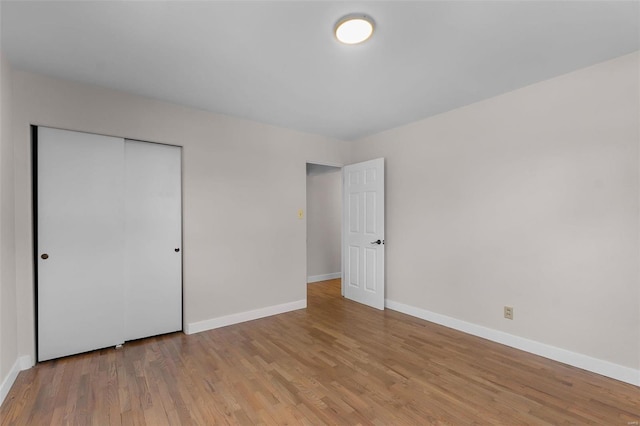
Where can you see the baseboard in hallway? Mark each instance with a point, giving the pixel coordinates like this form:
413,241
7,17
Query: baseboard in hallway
323,277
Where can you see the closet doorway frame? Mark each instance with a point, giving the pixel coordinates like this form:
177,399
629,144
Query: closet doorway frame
34,219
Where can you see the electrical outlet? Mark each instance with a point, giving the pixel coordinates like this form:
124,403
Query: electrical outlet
508,312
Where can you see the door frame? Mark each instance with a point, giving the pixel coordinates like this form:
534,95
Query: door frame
306,198
33,132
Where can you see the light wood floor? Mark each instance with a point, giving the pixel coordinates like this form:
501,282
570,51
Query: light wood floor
336,362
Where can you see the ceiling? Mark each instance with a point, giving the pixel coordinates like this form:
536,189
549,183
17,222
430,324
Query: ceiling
278,62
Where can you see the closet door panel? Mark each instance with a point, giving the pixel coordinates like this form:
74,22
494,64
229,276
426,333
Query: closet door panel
153,239
80,242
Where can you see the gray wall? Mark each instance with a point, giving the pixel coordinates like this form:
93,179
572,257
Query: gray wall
243,183
529,199
8,313
324,222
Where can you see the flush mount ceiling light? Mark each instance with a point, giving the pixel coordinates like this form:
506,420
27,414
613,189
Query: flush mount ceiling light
353,29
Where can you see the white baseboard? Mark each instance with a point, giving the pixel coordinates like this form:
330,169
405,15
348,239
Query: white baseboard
585,362
210,324
323,277
22,363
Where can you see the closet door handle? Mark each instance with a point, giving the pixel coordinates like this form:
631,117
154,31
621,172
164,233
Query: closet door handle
176,250
44,256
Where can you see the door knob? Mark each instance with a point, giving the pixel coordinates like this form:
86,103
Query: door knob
45,256
376,242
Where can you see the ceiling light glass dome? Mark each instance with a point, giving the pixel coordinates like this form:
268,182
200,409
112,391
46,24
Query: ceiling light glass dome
354,28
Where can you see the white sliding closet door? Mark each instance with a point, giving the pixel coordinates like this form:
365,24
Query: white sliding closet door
153,239
109,234
80,242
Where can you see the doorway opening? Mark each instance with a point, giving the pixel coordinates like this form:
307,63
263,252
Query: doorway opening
324,224
345,226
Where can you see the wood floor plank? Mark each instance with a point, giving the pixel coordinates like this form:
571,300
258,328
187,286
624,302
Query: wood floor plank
336,362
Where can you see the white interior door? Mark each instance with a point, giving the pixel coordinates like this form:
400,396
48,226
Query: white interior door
363,229
80,242
153,239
